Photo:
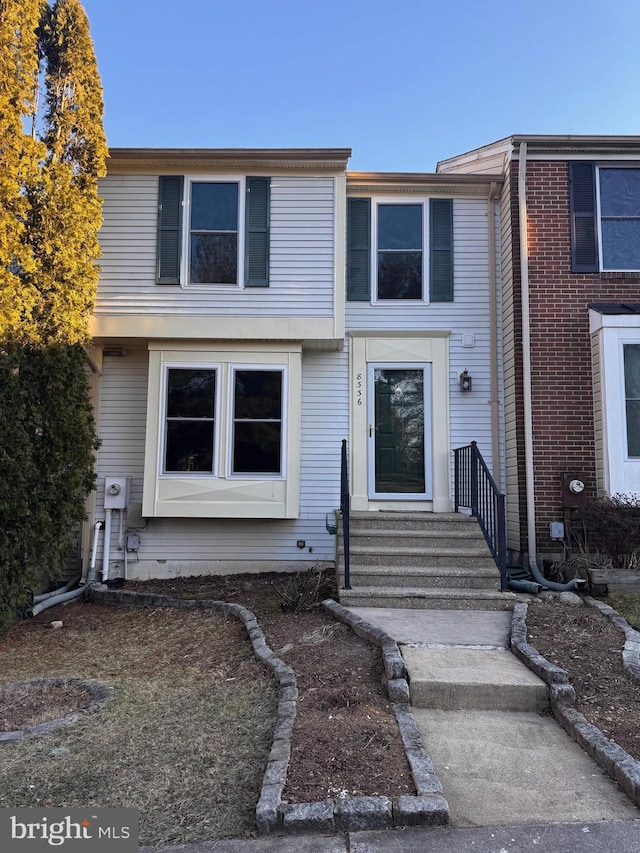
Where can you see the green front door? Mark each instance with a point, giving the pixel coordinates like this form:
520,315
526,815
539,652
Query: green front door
399,431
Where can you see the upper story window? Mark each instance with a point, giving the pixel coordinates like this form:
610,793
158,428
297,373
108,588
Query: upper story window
213,231
605,217
399,251
399,267
620,218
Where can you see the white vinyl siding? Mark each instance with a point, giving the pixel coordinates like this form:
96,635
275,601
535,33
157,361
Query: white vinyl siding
302,255
469,313
192,546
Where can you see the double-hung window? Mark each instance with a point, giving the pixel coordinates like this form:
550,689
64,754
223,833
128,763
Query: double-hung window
190,420
399,250
619,196
605,217
257,421
631,354
213,231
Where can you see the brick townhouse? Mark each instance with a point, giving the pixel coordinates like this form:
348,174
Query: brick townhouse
570,247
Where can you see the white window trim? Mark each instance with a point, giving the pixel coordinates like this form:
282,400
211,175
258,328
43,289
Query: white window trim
282,368
624,342
382,200
185,263
609,166
198,495
162,422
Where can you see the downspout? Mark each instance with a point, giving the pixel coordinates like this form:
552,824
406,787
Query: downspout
526,357
493,305
576,583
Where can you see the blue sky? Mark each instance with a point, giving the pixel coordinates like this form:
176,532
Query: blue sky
401,84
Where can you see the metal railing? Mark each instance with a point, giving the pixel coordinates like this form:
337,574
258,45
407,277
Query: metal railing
475,489
344,512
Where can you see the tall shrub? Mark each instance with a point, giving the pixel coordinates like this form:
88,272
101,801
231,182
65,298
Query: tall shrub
53,154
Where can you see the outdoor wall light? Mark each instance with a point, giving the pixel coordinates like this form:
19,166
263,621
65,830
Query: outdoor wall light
465,380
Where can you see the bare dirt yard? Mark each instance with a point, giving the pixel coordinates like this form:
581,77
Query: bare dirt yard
586,644
187,734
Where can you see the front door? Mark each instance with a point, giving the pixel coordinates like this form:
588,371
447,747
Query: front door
399,431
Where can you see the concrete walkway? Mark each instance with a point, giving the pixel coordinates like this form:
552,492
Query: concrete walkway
482,714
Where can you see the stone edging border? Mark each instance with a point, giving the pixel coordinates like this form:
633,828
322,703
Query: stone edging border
350,814
617,762
631,650
101,694
429,807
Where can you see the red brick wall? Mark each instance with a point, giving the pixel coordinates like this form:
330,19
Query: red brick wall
562,402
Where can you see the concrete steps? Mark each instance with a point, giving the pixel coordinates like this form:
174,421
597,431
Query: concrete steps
438,598
424,576
419,560
464,679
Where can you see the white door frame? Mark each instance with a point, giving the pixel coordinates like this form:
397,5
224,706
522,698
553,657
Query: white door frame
371,440
394,347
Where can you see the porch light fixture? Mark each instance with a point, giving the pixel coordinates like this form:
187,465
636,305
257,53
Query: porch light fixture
465,380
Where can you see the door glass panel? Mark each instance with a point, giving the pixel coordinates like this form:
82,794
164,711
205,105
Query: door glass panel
399,431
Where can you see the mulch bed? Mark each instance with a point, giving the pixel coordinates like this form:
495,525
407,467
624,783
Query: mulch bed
586,644
345,739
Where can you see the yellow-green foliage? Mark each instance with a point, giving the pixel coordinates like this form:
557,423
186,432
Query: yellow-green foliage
52,151
53,212
20,156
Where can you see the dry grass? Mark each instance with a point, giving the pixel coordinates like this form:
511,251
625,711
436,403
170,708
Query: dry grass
185,738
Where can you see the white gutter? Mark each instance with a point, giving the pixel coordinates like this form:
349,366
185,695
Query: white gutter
526,355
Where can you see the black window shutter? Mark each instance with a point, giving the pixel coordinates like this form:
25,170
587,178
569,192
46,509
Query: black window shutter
358,249
170,191
257,232
441,250
582,200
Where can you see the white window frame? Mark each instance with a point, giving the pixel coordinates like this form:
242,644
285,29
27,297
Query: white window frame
230,422
608,166
162,423
623,400
397,200
185,272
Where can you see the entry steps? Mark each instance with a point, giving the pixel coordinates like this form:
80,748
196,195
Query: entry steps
419,560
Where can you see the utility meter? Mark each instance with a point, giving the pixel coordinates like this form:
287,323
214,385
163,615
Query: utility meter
574,491
116,492
576,487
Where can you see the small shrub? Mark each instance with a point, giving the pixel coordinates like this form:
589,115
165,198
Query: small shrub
612,527
305,590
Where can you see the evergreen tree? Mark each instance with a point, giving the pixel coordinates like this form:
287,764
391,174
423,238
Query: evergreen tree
20,156
50,214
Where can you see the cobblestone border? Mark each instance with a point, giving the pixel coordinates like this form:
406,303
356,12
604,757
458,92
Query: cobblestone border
350,814
100,692
429,807
631,650
617,762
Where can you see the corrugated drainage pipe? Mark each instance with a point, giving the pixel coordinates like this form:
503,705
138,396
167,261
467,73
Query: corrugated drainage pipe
38,598
574,583
57,599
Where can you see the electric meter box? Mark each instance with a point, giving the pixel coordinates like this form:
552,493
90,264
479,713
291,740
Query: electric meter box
116,492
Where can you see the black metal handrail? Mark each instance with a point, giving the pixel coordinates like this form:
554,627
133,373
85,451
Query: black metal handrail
344,511
475,489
